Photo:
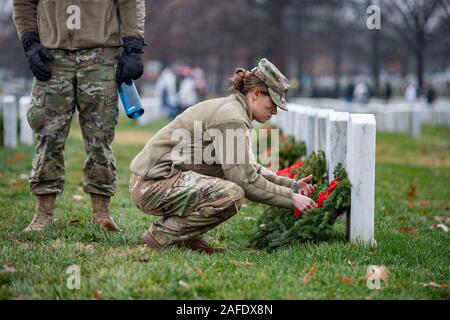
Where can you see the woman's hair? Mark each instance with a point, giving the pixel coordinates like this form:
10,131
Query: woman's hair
245,81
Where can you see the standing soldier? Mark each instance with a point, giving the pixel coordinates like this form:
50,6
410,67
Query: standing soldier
73,50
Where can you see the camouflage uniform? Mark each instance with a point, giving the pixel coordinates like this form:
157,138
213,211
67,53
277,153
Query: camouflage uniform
86,80
190,204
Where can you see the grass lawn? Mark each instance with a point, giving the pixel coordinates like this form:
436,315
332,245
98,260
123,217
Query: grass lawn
413,186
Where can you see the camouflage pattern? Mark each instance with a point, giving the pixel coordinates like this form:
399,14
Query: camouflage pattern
275,80
189,203
82,79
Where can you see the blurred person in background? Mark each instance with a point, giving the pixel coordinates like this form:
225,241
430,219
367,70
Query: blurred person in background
187,92
166,89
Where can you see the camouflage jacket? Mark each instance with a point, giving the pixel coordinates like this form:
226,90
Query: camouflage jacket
68,24
164,155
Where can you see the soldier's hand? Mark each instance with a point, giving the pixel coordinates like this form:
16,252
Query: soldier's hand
37,56
130,66
303,203
305,188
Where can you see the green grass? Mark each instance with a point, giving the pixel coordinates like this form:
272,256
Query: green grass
118,266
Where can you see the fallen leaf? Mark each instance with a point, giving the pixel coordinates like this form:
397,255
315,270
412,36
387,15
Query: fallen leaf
184,284
199,271
344,279
98,294
424,204
17,184
409,230
441,226
244,263
432,284
412,191
8,267
56,244
377,273
11,220
445,220
20,156
402,219
309,275
77,197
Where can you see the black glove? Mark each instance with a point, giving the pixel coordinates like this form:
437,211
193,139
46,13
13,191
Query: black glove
37,55
130,66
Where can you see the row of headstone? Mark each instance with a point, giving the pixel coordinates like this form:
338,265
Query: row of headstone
348,139
15,125
399,117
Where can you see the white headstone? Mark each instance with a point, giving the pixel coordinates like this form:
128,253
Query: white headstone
9,121
336,151
320,139
26,133
361,138
310,130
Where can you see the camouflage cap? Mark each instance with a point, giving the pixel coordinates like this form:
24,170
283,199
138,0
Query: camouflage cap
276,82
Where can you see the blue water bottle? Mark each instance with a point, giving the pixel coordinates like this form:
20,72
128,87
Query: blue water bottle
130,99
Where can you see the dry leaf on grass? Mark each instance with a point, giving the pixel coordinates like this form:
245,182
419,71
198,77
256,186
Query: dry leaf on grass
412,191
409,230
77,197
98,294
17,184
444,220
441,226
244,263
433,284
309,275
344,279
184,284
8,267
11,221
402,219
20,156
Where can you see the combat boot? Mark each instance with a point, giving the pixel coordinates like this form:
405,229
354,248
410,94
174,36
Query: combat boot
43,217
100,212
150,241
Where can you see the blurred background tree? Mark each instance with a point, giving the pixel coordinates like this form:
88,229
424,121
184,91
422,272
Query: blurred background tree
322,45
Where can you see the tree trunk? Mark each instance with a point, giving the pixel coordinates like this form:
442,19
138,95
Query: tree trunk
420,60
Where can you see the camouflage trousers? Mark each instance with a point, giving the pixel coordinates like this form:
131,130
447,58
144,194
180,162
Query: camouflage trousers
189,203
83,80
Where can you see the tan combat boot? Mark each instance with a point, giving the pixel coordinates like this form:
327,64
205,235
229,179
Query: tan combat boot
150,241
100,212
43,217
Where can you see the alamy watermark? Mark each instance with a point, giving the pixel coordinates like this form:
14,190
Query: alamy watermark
225,147
374,20
74,277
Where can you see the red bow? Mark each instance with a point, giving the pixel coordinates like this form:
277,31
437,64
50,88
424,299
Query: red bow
289,171
322,197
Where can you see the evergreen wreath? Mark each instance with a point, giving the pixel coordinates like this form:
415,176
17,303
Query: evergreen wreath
278,227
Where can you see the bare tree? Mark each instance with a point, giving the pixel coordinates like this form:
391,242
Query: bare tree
415,21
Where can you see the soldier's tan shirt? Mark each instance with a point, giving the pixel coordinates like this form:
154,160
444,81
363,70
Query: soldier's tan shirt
102,22
157,161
